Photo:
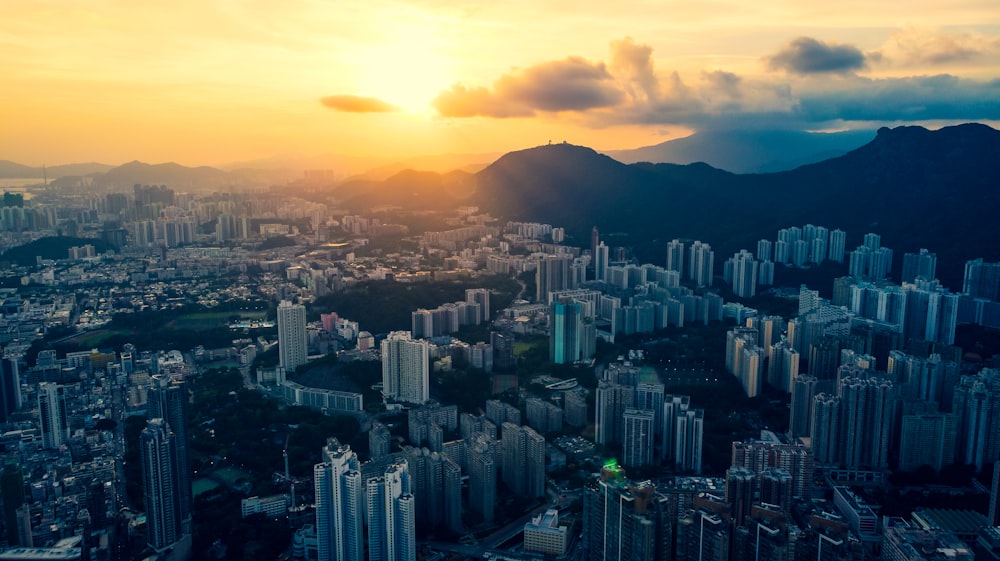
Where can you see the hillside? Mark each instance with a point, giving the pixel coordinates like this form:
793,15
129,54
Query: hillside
917,188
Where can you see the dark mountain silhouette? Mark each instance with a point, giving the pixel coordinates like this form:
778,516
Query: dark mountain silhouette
9,169
748,151
175,175
917,188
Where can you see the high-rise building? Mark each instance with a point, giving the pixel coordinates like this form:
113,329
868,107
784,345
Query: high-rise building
482,476
926,439
676,256
52,414
688,440
740,484
379,441
451,476
12,491
623,521
922,265
976,405
572,334
601,263
994,513
10,387
405,368
160,485
838,243
982,280
552,274
742,269
168,400
392,515
339,495
637,444
610,403
479,296
292,349
701,263
804,389
825,428
764,250
867,410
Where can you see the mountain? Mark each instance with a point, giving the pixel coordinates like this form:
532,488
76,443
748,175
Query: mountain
172,174
422,190
10,169
749,151
915,187
351,168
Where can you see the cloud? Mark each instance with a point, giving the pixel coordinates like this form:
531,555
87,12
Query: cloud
358,104
633,65
916,98
932,47
630,91
806,55
572,84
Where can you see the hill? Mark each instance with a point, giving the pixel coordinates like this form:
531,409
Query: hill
9,169
54,247
917,188
749,151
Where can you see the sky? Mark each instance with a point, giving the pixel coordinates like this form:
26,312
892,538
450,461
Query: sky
208,82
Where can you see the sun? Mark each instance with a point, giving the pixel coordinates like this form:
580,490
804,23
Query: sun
408,70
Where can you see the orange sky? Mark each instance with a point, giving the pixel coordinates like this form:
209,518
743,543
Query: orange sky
210,82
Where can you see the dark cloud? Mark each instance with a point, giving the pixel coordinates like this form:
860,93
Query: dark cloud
358,104
806,55
573,84
628,91
918,98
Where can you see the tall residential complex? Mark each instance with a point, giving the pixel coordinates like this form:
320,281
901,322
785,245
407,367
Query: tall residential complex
701,263
392,515
52,414
339,495
623,520
482,475
292,349
157,446
405,368
552,273
168,400
572,334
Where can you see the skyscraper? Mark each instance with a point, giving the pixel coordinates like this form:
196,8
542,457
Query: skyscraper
701,263
482,476
622,520
392,515
572,335
601,262
637,444
922,265
976,405
676,256
160,485
867,410
10,387
838,242
292,351
52,414
339,496
552,273
405,368
168,400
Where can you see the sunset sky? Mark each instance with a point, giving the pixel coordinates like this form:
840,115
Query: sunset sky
210,82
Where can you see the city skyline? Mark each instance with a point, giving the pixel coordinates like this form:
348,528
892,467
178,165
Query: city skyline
220,83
